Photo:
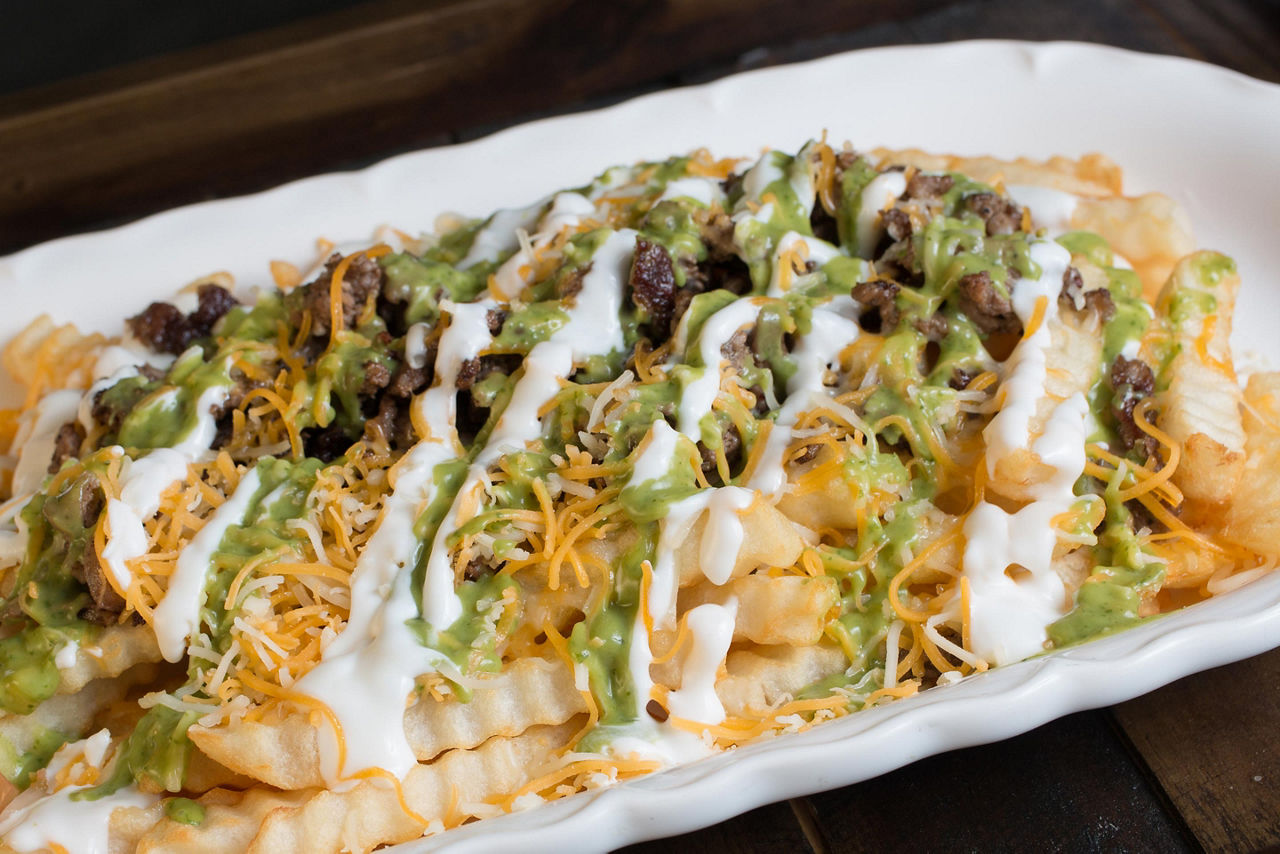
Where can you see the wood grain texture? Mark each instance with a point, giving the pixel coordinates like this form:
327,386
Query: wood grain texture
340,89
769,828
1067,786
1211,740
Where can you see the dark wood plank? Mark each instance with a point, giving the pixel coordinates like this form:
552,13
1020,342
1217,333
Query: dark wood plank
769,829
339,89
1067,786
1211,741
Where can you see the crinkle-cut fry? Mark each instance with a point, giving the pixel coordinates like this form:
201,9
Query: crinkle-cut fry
1092,174
784,609
70,714
371,813
44,356
1200,404
1151,232
1253,517
285,753
833,504
1074,357
768,539
231,820
205,774
764,677
115,650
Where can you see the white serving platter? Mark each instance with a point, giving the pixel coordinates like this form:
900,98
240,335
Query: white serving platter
1199,133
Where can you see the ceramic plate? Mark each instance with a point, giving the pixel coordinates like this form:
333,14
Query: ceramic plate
1203,135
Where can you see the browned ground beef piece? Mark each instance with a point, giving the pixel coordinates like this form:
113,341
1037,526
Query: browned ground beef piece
1072,286
1131,380
1001,215
983,303
716,230
570,284
213,303
107,604
161,327
165,329
960,379
325,443
897,223
408,381
880,298
653,282
66,444
1099,300
922,186
376,376
732,451
494,318
934,327
392,424
468,371
362,280
738,349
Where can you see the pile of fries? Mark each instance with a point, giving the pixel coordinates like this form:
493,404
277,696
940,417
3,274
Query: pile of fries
703,452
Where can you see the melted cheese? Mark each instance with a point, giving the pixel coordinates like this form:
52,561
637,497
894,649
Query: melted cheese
177,616
39,821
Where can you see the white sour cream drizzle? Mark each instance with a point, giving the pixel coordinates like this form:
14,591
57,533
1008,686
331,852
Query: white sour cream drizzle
813,354
877,196
812,249
36,821
711,632
1009,615
698,396
497,237
704,191
367,672
37,433
415,345
567,211
144,480
1050,209
177,616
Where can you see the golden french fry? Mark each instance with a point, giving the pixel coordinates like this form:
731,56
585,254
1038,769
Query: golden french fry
285,752
1074,357
784,609
764,677
768,539
1253,516
1200,406
1092,174
371,813
1151,232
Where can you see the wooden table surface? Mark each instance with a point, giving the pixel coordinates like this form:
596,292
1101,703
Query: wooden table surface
1193,766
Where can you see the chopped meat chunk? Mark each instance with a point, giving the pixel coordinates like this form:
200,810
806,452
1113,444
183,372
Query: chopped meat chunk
361,281
922,186
897,223
165,329
983,303
880,298
1131,380
66,445
653,282
1001,215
